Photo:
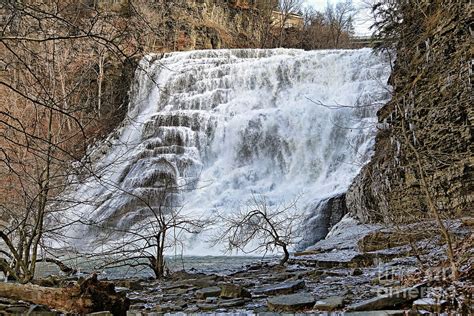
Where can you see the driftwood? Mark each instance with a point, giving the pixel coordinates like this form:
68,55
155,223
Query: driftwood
90,295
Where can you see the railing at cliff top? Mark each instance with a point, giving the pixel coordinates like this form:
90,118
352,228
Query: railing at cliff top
365,40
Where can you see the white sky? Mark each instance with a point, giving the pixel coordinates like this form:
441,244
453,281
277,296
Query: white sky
362,19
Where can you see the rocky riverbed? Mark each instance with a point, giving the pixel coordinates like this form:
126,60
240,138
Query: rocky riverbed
351,271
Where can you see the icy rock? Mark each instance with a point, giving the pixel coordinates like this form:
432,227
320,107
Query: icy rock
329,303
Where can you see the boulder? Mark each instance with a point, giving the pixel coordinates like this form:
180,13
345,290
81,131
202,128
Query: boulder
291,303
234,291
212,291
357,272
330,303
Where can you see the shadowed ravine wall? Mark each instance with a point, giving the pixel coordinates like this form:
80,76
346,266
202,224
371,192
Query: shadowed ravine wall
432,81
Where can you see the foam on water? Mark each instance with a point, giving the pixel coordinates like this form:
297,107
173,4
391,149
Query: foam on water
227,124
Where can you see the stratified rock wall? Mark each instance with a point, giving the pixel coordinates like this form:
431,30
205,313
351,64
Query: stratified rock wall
210,24
432,82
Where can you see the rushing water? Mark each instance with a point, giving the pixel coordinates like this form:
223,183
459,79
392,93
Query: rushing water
224,125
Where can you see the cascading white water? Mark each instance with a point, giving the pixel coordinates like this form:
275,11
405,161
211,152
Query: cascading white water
226,124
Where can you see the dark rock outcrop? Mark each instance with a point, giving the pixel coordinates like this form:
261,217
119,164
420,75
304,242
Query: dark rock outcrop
325,215
209,24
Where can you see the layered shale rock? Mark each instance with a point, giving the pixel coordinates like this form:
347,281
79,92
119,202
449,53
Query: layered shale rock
431,108
208,24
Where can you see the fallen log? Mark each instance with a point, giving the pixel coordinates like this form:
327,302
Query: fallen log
88,296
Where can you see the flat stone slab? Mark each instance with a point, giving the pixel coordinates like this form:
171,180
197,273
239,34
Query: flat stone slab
341,259
207,307
234,291
290,303
377,313
213,291
391,300
330,303
282,288
232,303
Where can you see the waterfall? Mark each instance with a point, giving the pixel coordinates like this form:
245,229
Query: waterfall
224,125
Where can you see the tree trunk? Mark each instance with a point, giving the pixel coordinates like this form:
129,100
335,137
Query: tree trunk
89,296
100,80
286,256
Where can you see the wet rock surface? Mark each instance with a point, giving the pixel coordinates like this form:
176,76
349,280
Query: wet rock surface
303,286
333,276
281,288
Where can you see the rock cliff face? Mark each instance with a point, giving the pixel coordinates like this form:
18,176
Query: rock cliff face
208,24
329,213
180,25
430,116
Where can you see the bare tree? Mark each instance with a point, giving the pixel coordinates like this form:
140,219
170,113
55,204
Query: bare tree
266,9
164,227
48,114
340,19
261,227
286,8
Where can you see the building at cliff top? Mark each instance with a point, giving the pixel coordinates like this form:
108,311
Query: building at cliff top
292,20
